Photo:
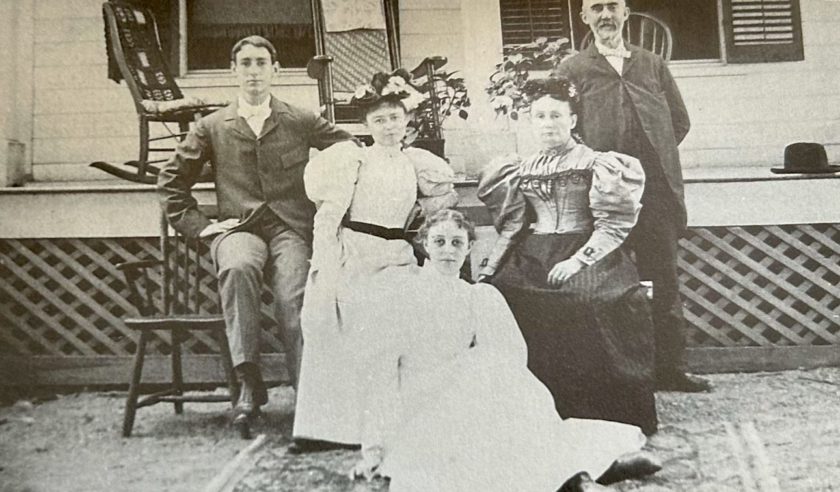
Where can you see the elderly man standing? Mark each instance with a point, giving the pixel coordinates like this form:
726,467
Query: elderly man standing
258,147
631,104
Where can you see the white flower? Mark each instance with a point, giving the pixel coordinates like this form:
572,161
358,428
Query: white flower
500,102
363,90
414,98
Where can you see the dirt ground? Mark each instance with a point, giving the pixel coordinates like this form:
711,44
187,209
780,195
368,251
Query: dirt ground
755,432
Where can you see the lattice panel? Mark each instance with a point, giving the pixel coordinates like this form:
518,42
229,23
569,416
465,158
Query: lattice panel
65,297
762,286
742,286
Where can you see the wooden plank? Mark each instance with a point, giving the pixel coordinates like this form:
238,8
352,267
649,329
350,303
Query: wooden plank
754,359
115,370
68,29
70,53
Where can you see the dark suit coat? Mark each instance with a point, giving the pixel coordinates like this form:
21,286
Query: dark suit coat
250,172
654,94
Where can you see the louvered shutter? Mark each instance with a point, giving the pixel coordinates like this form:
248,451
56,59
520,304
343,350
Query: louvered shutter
523,21
762,30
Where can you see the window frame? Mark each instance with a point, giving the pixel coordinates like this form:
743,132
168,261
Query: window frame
179,48
576,31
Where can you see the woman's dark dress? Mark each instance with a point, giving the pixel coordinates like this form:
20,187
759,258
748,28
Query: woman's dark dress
590,340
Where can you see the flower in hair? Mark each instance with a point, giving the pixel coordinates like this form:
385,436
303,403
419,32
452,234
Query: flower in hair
364,91
402,88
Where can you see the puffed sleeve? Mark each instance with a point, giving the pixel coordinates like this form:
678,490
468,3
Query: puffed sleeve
435,181
496,329
330,180
615,200
498,188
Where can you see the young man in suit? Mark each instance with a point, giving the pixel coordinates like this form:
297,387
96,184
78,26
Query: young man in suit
631,104
258,147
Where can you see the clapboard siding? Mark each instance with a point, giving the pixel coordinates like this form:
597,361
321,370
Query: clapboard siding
742,115
79,115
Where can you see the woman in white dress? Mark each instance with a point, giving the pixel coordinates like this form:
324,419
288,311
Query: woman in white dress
450,403
365,197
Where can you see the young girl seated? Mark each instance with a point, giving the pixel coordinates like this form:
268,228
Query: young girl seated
450,404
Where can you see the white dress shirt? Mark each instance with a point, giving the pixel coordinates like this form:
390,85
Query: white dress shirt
615,56
255,116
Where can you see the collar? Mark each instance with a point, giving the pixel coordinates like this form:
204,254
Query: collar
560,150
621,51
391,152
247,110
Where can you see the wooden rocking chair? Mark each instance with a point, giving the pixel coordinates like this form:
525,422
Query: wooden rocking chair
346,58
646,31
133,41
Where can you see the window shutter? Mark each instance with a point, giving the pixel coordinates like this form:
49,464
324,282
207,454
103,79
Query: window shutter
523,21
762,30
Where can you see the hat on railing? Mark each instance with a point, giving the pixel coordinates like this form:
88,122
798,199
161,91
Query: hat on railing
805,157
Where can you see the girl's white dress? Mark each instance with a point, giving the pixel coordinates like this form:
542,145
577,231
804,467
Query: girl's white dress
450,404
375,185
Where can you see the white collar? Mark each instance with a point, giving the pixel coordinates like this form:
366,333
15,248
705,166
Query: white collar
620,51
263,108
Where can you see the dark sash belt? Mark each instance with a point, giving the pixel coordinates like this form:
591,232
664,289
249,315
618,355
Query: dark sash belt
375,230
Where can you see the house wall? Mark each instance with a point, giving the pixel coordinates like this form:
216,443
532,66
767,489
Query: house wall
80,115
743,115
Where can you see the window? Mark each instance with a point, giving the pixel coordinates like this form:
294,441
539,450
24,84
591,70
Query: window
213,26
736,31
693,23
763,30
523,21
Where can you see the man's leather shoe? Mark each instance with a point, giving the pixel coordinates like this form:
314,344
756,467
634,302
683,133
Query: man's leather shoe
252,388
679,381
304,446
581,482
634,465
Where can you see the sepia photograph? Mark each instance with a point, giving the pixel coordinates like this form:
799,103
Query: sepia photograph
419,245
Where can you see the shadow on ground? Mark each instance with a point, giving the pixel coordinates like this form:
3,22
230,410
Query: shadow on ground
754,432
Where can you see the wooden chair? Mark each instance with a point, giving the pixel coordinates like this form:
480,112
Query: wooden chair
347,59
175,306
133,41
646,31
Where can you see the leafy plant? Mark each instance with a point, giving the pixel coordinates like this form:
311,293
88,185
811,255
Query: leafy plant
452,98
506,82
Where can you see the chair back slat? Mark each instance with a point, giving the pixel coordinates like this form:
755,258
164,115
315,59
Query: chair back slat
135,45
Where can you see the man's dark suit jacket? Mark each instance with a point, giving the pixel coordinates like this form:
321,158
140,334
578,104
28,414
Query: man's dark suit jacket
249,172
648,83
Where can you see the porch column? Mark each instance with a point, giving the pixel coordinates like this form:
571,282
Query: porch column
16,89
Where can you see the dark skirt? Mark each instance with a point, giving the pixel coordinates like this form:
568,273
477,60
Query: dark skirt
590,341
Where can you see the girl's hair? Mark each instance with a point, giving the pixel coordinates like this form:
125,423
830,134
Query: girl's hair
556,87
367,107
445,215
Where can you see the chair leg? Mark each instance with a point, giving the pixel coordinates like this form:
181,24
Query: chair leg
177,374
144,140
134,385
227,363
